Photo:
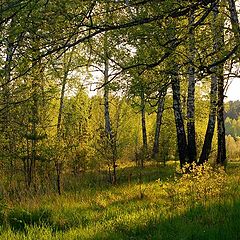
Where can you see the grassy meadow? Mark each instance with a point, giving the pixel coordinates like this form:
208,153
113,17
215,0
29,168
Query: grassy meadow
157,202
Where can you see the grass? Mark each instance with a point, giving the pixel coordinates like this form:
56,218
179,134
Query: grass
204,204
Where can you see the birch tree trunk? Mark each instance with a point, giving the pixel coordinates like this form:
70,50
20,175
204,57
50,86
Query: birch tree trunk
58,163
6,100
6,116
234,20
181,135
206,149
216,97
191,94
218,34
108,128
144,128
177,107
221,156
160,109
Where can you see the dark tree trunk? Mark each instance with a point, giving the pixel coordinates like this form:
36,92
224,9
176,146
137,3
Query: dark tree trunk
160,109
177,107
234,20
211,122
181,135
60,111
6,90
144,128
192,152
34,122
218,31
6,114
108,128
221,156
58,163
217,96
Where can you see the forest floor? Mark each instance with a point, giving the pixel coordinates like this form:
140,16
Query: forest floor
152,203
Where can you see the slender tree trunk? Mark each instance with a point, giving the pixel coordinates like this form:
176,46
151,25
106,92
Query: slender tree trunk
34,122
60,111
36,77
160,109
108,127
218,33
27,164
144,128
234,20
177,108
58,163
6,115
221,156
192,152
7,76
6,90
211,121
216,97
181,135
6,121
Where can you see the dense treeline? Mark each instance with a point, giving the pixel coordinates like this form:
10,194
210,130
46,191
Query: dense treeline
158,69
232,124
233,109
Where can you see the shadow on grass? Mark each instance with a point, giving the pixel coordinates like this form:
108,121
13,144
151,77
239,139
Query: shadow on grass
127,175
217,222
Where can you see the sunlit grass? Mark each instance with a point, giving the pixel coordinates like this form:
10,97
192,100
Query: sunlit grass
203,203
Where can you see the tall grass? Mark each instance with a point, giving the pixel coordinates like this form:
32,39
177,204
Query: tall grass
203,203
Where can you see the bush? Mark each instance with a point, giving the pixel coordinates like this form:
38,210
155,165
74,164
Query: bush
2,211
19,218
198,184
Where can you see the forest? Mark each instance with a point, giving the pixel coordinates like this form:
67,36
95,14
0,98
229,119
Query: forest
114,119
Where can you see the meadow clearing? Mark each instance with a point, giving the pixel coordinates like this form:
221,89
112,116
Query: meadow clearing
158,203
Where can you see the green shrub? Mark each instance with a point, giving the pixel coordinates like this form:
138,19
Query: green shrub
3,206
19,218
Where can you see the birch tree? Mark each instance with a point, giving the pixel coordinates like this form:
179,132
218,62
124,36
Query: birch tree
192,151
